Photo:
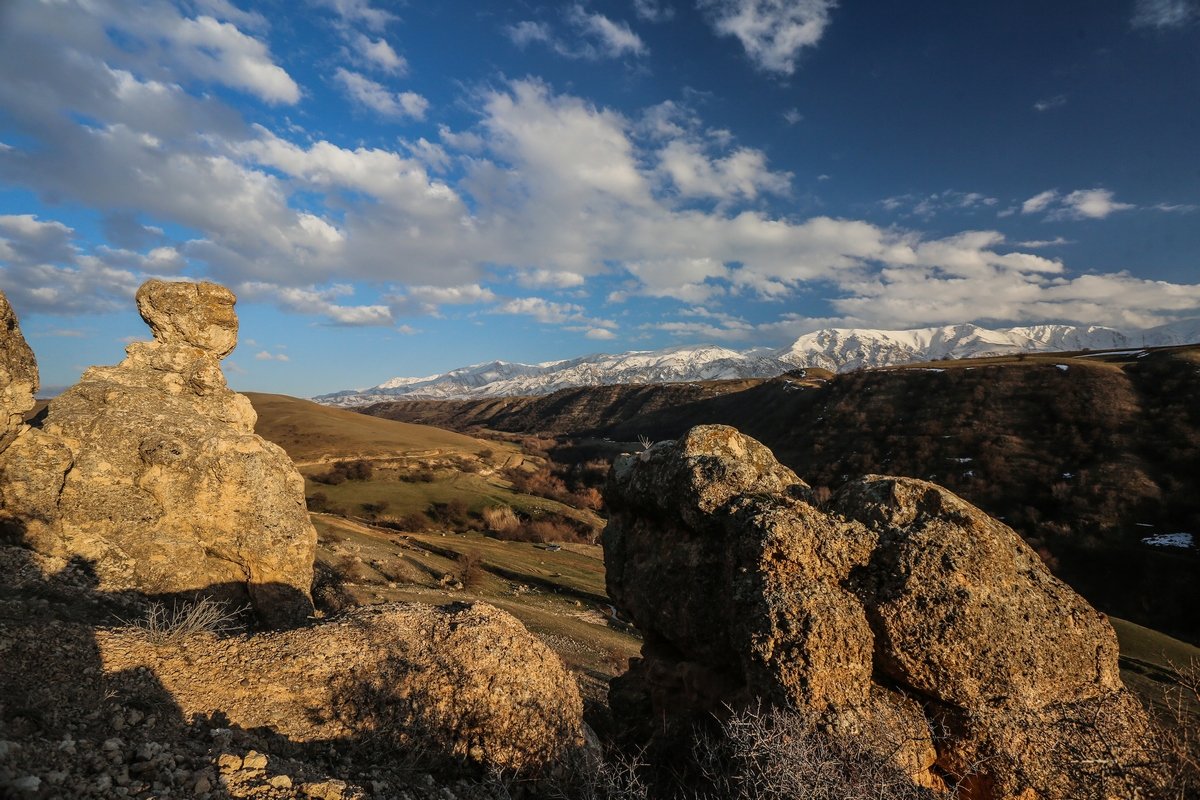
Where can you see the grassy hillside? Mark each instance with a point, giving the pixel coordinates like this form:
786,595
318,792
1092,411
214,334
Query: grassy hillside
310,433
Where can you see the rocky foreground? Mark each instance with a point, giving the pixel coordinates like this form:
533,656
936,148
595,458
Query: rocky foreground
895,617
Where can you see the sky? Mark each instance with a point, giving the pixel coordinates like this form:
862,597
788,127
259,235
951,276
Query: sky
400,188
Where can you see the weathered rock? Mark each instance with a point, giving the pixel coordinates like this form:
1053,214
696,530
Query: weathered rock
151,470
18,375
900,603
198,314
460,682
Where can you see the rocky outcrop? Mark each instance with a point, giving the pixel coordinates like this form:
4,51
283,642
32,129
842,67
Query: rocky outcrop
18,376
150,470
465,682
897,603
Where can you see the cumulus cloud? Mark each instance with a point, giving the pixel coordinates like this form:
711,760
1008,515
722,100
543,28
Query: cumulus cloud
773,32
266,355
374,96
1163,13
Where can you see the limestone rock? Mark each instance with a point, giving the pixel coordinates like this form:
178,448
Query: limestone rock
196,314
465,681
899,603
18,375
151,470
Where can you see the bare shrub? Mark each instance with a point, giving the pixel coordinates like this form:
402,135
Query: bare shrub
469,570
1177,733
163,626
778,754
500,519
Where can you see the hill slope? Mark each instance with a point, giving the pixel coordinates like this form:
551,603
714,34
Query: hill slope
310,432
1085,455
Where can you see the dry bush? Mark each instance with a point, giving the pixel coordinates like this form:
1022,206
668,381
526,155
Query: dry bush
184,620
500,519
778,754
1177,735
469,571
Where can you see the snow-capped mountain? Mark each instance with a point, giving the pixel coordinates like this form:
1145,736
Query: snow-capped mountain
836,349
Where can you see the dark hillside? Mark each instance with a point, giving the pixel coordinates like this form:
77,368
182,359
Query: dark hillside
1083,454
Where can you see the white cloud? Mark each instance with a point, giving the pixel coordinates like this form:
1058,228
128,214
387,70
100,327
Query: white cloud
428,300
653,10
600,334
1040,202
793,116
741,174
927,206
360,12
773,32
318,301
1035,244
1048,103
549,279
589,35
370,94
219,51
227,11
548,312
1091,204
1163,13
527,32
265,355
378,54
1079,204
611,39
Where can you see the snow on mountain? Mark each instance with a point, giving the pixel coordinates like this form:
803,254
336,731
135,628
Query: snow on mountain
836,349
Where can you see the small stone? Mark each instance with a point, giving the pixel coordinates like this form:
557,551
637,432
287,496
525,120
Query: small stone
281,782
254,760
229,762
202,785
54,777
102,783
111,745
30,783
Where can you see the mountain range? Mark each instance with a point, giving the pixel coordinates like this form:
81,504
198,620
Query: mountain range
835,349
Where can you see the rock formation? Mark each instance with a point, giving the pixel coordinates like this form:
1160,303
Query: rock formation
18,375
151,471
897,604
463,682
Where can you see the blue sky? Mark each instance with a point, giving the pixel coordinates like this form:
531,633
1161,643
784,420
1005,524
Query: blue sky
401,188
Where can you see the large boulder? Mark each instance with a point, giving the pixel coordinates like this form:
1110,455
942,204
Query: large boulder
18,376
898,604
151,471
465,682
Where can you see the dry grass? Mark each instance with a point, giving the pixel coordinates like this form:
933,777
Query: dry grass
163,626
